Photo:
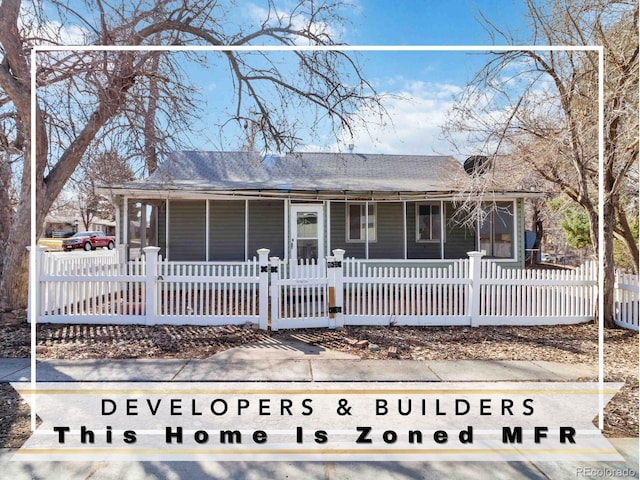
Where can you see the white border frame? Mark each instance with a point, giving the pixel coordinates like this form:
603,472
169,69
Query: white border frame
599,49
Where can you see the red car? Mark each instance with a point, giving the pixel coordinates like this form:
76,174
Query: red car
89,241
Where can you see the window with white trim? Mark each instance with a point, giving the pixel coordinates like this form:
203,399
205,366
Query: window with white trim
496,231
428,222
356,221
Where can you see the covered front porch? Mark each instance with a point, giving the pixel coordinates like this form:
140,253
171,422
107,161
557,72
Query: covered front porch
381,230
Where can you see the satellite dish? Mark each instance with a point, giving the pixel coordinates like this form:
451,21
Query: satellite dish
477,164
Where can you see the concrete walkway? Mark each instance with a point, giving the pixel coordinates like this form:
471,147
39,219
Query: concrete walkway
297,361
277,368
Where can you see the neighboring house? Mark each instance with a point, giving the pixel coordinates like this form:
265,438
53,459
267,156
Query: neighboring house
223,206
62,226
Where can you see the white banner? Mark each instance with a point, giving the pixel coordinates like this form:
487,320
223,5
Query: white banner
386,421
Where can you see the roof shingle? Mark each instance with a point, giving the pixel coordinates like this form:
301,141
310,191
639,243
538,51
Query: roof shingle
344,172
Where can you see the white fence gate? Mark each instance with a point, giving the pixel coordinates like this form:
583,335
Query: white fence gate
299,294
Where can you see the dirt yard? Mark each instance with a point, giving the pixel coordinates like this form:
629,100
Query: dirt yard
568,344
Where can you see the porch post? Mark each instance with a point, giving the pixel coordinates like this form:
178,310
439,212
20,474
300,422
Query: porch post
166,230
125,226
404,229
474,287
366,230
207,228
151,292
246,229
263,287
443,219
328,222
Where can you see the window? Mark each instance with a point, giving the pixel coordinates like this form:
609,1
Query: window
428,222
496,232
356,220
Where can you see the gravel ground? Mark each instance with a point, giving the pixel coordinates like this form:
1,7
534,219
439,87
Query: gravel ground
567,344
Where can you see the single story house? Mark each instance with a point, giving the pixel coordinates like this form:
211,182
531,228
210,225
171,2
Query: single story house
223,206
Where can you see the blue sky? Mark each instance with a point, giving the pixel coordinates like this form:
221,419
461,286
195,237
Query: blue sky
419,87
423,84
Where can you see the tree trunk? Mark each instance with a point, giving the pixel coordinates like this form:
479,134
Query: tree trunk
608,267
5,205
626,236
15,271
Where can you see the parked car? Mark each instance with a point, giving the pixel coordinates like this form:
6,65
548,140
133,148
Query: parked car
89,241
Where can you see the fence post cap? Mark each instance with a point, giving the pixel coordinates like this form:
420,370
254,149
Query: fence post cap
338,251
476,254
39,248
151,249
263,251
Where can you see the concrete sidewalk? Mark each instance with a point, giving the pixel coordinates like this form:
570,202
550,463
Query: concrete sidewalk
297,361
227,368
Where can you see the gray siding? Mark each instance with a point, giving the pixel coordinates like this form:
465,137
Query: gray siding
389,231
339,233
389,244
187,223
226,227
266,227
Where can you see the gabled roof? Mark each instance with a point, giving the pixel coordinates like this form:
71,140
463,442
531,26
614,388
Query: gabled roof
199,171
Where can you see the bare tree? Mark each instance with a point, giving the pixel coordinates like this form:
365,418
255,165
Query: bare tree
94,170
540,109
85,96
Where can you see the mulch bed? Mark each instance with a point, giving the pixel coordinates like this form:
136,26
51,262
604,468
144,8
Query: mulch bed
567,344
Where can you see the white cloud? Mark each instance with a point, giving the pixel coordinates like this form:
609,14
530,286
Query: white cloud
416,114
50,31
259,15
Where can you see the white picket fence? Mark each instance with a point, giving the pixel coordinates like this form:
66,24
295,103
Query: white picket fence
375,295
627,301
148,290
467,292
73,289
515,296
330,293
198,291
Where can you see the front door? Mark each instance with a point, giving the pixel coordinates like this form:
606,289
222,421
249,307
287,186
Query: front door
307,232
